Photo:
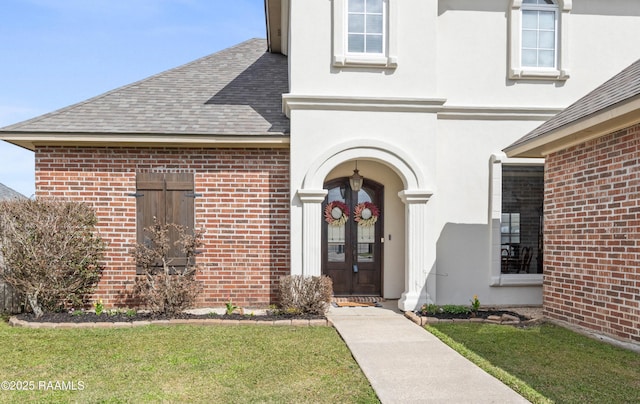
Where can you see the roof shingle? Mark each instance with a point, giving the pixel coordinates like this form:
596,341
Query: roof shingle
7,193
623,86
237,91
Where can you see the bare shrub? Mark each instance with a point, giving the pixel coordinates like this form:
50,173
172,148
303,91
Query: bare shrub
51,252
163,288
305,295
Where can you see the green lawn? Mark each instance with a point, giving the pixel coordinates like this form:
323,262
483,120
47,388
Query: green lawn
183,364
559,364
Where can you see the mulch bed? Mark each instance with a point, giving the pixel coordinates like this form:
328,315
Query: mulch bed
90,317
484,314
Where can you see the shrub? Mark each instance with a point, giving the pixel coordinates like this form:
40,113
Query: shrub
163,288
434,309
51,252
455,309
430,309
305,295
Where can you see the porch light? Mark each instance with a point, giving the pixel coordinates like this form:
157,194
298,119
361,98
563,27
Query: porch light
356,180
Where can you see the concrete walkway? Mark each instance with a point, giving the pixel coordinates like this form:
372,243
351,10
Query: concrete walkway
406,364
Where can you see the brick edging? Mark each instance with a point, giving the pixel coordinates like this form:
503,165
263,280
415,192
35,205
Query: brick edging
421,321
15,322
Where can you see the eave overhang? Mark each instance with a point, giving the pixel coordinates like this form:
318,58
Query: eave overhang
29,141
603,122
277,21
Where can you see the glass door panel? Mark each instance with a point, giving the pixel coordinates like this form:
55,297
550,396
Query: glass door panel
351,237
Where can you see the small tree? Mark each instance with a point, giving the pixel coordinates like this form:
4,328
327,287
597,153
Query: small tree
163,288
51,252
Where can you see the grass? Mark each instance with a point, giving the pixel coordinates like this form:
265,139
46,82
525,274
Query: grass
231,364
547,363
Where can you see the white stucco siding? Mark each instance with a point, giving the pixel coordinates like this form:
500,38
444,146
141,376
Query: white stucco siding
473,50
320,134
463,221
312,71
396,149
432,123
464,148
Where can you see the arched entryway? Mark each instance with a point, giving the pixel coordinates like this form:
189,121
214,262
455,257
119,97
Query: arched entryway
419,253
352,237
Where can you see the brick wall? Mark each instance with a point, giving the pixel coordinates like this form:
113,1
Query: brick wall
592,233
244,210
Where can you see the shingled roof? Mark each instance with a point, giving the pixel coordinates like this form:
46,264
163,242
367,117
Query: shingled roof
234,92
7,193
620,89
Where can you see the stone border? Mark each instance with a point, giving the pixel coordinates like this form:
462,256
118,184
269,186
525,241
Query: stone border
505,319
15,322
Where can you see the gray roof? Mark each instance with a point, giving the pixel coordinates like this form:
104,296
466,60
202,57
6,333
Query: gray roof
237,91
7,193
622,87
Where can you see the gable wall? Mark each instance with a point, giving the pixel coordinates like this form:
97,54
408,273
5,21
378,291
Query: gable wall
244,210
592,235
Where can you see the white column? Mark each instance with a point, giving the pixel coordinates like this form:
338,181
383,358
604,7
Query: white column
311,230
416,250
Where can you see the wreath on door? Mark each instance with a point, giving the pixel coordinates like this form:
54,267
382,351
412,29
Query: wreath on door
366,214
336,213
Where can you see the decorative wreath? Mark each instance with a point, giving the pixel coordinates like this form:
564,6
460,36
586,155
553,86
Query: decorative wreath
336,213
366,214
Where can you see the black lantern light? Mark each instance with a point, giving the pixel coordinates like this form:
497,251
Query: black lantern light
356,179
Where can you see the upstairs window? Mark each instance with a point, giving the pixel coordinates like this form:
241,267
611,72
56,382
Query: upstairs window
365,33
539,33
538,39
365,26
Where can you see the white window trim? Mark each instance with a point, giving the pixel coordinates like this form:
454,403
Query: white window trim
497,278
341,56
516,70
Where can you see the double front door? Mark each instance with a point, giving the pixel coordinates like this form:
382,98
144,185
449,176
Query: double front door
352,238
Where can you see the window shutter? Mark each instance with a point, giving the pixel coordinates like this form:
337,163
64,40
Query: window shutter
165,196
179,209
150,201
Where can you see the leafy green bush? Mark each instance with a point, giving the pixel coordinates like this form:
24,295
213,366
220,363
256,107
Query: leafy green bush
305,295
51,252
455,309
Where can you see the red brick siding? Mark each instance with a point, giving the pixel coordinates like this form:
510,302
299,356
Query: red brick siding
592,233
244,210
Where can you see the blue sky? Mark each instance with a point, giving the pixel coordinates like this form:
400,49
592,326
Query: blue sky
54,53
